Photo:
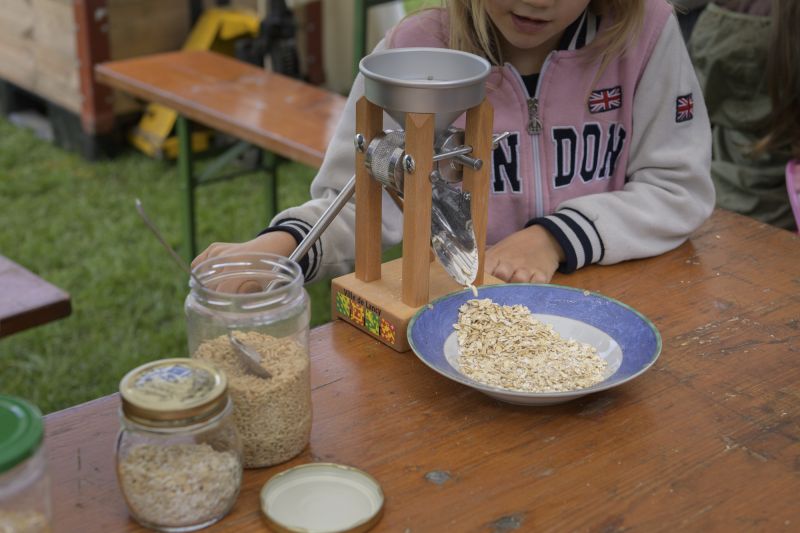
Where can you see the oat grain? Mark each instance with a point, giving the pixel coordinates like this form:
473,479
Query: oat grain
505,346
272,416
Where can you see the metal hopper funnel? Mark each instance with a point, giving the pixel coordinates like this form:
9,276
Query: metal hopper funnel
425,80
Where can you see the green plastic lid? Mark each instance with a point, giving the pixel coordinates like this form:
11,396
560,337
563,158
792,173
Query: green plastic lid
21,431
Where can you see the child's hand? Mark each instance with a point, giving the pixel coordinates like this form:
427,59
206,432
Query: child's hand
530,255
276,242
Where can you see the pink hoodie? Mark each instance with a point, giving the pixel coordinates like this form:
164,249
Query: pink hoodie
584,142
615,169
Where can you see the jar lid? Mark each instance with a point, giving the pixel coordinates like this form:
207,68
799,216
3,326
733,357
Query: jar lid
322,498
21,431
178,391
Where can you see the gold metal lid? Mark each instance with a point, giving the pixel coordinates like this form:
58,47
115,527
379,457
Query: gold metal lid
322,498
178,391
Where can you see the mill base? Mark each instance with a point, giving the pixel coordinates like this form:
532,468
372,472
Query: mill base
376,307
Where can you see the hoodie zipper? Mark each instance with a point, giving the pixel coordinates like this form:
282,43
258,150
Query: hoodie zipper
534,123
534,129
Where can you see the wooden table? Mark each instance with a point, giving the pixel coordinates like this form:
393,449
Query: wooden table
26,300
706,440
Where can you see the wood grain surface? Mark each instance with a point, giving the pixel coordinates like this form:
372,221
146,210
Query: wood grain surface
417,203
706,440
286,116
369,123
26,300
478,135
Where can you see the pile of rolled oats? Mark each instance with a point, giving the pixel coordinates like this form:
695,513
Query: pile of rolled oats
505,346
179,484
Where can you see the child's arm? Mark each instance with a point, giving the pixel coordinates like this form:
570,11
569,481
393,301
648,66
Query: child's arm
669,192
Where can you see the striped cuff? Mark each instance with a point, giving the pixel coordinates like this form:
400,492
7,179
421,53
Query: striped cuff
577,236
298,229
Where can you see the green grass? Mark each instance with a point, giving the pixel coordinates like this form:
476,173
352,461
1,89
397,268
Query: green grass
73,222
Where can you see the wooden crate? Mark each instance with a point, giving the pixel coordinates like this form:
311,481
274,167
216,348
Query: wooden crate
49,48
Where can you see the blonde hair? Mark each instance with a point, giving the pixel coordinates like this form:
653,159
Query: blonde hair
471,29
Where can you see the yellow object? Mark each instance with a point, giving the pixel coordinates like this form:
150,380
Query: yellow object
216,29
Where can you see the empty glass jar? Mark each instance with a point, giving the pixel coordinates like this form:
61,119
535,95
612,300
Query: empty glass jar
260,301
24,482
179,457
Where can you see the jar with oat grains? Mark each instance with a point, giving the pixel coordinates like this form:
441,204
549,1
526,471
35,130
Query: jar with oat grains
179,457
260,301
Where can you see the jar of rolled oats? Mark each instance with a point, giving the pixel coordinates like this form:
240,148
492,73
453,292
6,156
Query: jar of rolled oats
249,316
179,456
24,482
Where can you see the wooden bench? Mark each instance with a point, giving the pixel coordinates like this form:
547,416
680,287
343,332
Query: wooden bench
26,300
284,116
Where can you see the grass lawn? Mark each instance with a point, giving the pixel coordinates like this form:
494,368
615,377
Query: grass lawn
73,222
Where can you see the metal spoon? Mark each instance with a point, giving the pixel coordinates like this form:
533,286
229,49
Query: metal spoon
248,355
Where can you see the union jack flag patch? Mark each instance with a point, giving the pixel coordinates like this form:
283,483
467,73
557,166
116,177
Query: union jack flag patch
684,108
603,100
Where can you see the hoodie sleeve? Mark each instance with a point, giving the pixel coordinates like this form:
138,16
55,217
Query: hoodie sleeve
669,192
334,253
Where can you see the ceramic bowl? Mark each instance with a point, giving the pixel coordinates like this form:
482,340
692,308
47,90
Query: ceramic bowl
625,338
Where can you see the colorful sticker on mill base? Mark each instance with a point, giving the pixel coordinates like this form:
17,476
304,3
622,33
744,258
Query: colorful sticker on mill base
357,313
364,314
342,304
372,322
387,331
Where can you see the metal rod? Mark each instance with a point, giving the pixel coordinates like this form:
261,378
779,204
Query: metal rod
324,221
228,156
499,137
461,150
471,162
466,149
175,257
188,184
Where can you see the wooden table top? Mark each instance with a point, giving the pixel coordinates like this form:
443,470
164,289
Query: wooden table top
26,300
286,116
706,440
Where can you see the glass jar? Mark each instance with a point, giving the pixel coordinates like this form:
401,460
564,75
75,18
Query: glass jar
273,414
179,457
24,484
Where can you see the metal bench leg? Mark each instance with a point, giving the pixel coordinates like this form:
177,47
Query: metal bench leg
270,163
188,185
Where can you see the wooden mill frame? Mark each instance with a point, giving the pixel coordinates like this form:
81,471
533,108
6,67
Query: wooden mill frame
372,287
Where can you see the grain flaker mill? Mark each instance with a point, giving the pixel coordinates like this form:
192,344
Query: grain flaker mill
420,166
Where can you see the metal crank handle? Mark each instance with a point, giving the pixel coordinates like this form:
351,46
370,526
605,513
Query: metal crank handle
324,221
499,137
476,163
460,153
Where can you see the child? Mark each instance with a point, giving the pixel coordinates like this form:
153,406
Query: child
608,157
687,12
730,45
783,81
